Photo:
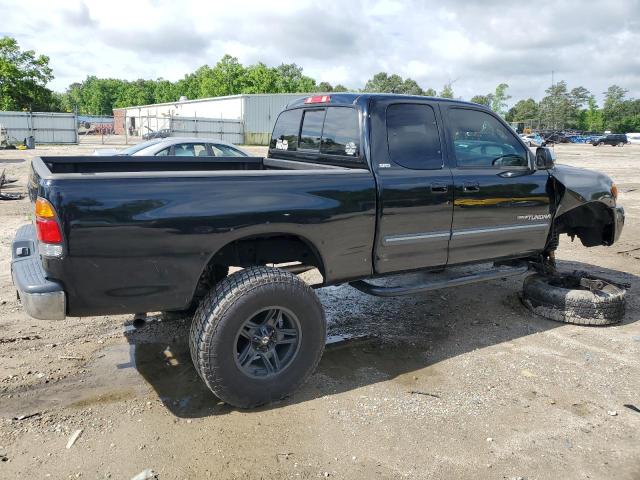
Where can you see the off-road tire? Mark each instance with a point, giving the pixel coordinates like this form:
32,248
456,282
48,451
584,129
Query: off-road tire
546,296
222,313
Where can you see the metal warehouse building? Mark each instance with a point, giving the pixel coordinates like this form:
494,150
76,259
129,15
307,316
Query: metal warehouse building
242,119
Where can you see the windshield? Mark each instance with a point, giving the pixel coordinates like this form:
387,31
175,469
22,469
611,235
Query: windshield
136,148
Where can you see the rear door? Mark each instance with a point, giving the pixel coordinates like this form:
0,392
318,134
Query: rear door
414,186
501,206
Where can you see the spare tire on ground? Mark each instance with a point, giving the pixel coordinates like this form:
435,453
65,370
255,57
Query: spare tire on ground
574,298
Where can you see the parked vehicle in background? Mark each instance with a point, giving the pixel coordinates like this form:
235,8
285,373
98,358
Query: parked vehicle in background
533,140
555,137
180,147
613,139
633,138
355,185
164,133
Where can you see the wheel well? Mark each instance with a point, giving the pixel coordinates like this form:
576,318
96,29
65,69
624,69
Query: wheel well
592,223
259,250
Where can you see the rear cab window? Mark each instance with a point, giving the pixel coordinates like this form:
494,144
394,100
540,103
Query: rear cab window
328,134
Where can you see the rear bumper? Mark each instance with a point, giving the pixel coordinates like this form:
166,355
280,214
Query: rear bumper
41,298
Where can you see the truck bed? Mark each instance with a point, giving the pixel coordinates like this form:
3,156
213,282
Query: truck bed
138,231
118,164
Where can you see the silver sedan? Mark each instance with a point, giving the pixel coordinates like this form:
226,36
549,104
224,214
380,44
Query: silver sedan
180,147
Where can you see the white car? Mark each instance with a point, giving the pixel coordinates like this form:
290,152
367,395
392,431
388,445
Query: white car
179,146
633,138
533,140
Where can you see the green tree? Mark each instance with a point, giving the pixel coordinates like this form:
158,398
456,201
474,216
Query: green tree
340,88
555,107
164,91
325,87
260,79
291,80
447,91
482,99
523,110
430,92
23,79
614,107
382,82
411,87
72,98
593,121
499,99
229,76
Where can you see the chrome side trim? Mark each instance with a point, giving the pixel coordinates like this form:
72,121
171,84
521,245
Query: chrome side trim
475,231
412,237
419,236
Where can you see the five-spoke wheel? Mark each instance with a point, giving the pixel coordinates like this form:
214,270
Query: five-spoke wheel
268,342
257,336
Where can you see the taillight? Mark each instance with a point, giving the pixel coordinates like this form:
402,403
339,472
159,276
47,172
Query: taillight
46,223
318,99
48,231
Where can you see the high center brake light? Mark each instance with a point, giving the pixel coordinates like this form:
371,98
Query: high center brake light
47,226
318,99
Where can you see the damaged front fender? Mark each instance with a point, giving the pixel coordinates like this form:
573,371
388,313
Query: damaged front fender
586,206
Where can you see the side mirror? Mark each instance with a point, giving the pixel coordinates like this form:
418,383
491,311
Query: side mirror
545,158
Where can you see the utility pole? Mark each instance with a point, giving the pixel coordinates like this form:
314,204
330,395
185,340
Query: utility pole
553,104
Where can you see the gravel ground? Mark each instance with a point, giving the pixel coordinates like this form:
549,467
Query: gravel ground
458,383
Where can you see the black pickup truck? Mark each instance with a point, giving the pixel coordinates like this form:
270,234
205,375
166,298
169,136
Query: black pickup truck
358,186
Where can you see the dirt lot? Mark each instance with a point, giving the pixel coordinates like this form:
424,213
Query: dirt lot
459,383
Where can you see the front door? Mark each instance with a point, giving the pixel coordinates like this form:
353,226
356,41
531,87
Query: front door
501,205
415,186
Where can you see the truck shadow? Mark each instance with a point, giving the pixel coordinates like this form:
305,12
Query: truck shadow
400,339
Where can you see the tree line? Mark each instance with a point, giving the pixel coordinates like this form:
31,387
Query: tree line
24,77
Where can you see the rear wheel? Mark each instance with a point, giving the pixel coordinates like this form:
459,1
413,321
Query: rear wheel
257,336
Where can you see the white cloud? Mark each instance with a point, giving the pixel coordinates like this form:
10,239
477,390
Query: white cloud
476,44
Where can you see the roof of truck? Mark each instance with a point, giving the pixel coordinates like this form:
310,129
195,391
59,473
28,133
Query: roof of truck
333,98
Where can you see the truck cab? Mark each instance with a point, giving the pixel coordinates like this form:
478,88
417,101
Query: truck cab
455,184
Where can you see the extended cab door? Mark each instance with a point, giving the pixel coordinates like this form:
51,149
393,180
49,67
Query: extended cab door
414,186
501,205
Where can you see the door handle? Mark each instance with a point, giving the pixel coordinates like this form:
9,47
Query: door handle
471,187
439,188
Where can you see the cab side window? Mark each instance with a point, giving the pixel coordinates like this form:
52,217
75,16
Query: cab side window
341,133
413,138
481,141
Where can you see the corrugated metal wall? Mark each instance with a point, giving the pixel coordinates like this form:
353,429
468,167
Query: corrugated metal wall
257,113
46,127
260,113
223,129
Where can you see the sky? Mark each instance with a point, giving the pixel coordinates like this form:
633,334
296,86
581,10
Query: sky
474,45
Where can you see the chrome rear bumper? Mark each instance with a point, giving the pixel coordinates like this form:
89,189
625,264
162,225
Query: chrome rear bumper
42,298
